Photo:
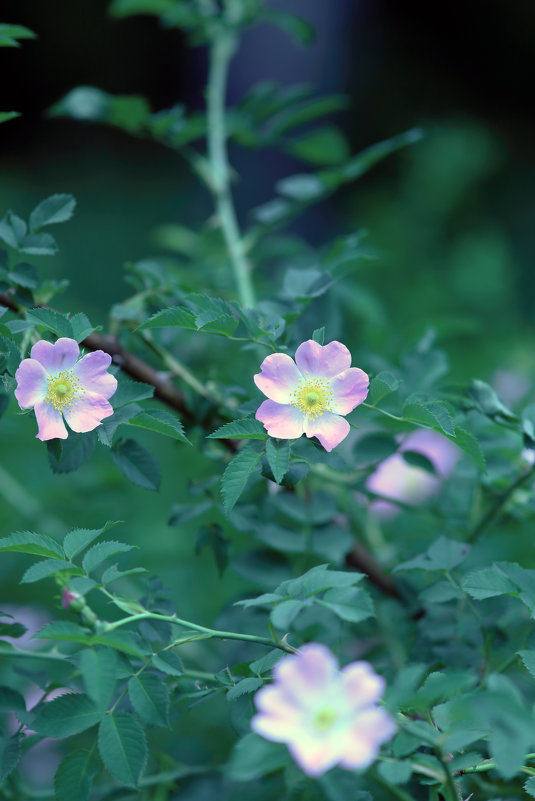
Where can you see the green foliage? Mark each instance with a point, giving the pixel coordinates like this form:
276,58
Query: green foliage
122,747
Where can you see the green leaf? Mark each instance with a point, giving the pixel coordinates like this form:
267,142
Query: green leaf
129,112
5,116
244,687
469,444
304,187
149,698
529,786
122,747
323,147
81,327
11,700
431,414
24,275
137,464
253,757
398,772
78,539
162,422
125,641
12,229
55,209
9,755
35,544
128,8
419,460
63,630
247,428
9,34
487,583
102,551
528,658
168,662
318,335
382,385
173,317
48,567
443,554
298,28
348,603
278,456
212,536
67,715
51,321
99,668
12,630
38,245
67,455
129,391
487,401
236,476
74,776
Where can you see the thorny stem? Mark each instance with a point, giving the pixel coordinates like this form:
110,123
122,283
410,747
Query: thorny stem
223,635
221,51
499,502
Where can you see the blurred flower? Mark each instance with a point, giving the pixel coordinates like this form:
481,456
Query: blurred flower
400,481
325,715
512,386
70,599
57,384
309,395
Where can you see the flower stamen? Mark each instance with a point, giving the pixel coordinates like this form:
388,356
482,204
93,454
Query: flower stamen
63,390
313,396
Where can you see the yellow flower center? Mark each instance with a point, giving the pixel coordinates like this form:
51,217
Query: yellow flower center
325,718
63,390
313,396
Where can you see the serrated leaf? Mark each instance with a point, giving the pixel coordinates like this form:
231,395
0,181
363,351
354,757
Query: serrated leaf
487,583
128,642
162,422
528,658
81,327
122,747
348,603
469,444
67,715
244,687
51,320
129,391
98,667
55,209
112,573
38,245
173,317
63,630
248,428
69,454
236,476
278,456
74,776
529,786
11,700
78,539
137,464
149,698
168,662
382,385
35,544
443,554
48,567
9,755
102,551
433,414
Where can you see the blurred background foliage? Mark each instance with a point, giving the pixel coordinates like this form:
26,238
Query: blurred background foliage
450,219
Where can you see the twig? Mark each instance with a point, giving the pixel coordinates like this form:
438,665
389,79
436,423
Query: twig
498,504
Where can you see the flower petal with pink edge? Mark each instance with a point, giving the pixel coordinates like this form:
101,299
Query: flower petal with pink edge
330,429
87,412
91,370
308,673
50,422
349,389
322,360
280,420
278,378
372,728
61,355
32,380
359,751
314,757
361,684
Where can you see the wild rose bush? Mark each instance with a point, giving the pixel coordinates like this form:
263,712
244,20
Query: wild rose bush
378,640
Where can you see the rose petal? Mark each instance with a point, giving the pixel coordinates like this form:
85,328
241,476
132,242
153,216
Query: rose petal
32,379
372,728
361,685
61,355
279,377
359,752
322,360
280,420
277,729
396,479
308,673
440,451
313,756
91,370
349,389
50,422
330,429
87,412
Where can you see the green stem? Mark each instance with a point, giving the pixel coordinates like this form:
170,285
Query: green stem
454,791
221,51
223,635
498,504
15,652
488,764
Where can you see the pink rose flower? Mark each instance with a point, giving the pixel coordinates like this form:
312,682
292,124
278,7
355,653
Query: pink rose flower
396,479
326,716
57,384
309,395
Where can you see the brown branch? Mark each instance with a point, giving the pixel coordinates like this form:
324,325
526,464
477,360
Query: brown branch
360,558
